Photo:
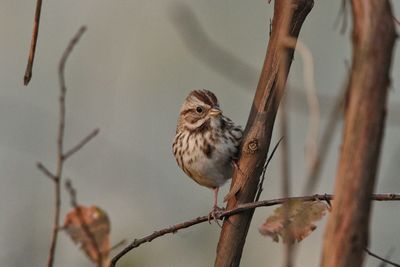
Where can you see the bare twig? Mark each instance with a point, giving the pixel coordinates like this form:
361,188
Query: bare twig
35,32
60,150
72,193
83,142
387,256
381,258
241,208
46,171
117,245
63,61
260,184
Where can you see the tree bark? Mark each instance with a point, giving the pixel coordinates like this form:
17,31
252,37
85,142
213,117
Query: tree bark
289,16
346,234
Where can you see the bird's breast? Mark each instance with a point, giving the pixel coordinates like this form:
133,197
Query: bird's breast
205,158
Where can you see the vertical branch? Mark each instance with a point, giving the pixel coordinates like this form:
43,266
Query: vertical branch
374,34
284,131
286,186
35,32
289,16
60,148
324,144
312,100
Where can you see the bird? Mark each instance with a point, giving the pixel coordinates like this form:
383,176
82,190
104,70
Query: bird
206,143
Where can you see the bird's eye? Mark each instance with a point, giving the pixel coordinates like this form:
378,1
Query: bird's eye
199,110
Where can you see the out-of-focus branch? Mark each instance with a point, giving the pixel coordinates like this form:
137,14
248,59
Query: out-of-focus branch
342,13
35,32
285,149
205,49
326,140
285,167
374,36
396,20
312,98
225,214
214,55
61,156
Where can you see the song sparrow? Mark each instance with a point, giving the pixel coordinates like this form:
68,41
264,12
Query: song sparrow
206,142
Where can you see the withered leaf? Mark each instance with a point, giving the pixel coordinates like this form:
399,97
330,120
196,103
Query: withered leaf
96,221
293,221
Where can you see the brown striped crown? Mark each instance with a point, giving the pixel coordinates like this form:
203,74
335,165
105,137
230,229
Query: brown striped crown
197,110
204,96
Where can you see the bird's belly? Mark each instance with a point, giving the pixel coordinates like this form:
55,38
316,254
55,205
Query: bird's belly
211,171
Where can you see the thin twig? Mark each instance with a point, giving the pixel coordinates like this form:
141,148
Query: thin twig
117,245
241,208
35,32
83,142
260,184
72,193
60,149
388,255
46,171
381,258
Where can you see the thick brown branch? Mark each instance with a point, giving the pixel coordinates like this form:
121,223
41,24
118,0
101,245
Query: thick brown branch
347,230
289,16
35,32
240,209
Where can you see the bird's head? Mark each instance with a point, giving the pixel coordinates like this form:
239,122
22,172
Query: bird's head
199,111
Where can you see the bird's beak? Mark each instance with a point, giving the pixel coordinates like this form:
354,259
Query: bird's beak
215,112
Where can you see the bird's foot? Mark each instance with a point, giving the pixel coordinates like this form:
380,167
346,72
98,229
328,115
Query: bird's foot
214,214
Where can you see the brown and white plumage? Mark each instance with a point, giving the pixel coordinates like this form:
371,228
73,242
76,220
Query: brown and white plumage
206,142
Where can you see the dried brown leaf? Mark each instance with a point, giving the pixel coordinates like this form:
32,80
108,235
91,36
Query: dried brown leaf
293,221
97,222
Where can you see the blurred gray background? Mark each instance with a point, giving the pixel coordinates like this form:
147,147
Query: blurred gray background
128,76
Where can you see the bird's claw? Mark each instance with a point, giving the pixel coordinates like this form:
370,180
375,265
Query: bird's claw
214,214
